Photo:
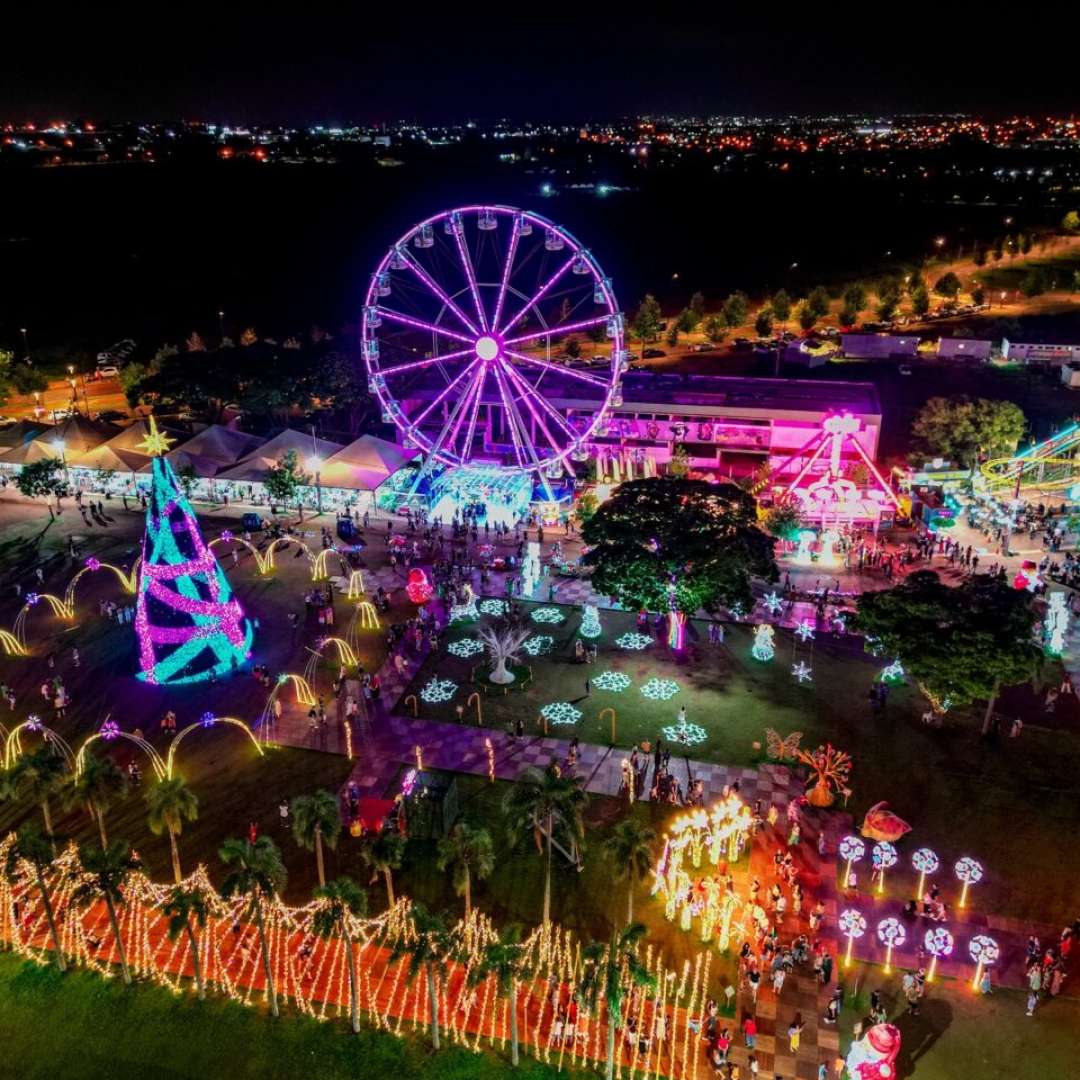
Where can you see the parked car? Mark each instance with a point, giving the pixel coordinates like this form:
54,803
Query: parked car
118,353
109,415
703,346
106,371
653,354
830,331
7,421
741,343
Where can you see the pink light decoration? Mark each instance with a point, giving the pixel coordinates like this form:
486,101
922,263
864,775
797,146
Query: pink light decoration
419,588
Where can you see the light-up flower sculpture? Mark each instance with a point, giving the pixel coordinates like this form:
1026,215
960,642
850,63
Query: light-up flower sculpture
884,857
939,943
109,730
852,849
892,935
970,872
984,951
926,862
852,925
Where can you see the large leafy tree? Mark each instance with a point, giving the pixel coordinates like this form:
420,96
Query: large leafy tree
735,309
780,303
340,901
629,846
948,285
469,854
505,961
317,821
257,872
170,803
610,969
284,480
648,320
184,907
428,946
36,849
964,430
961,643
40,480
546,802
99,783
668,544
106,871
384,855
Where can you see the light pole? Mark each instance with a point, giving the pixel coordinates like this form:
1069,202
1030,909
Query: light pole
221,326
26,345
37,404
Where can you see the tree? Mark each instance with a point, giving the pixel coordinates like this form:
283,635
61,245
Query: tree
997,249
36,849
285,479
585,507
819,302
629,846
1036,281
195,342
170,803
1070,223
886,309
572,347
28,380
805,315
695,312
735,309
1024,242
504,960
848,316
469,853
188,478
609,967
503,639
763,324
948,285
978,295
40,479
713,328
978,256
855,298
428,947
107,870
544,802
648,320
181,907
384,854
258,874
961,643
666,544
920,301
964,430
784,521
41,774
672,335
99,784
1009,244
317,819
340,901
780,303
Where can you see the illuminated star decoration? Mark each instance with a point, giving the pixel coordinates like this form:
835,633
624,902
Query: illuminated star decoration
33,722
660,689
491,606
32,598
93,564
283,678
226,535
894,672
687,734
542,643
156,442
438,690
547,615
634,641
560,712
804,631
801,672
110,729
615,681
465,648
208,719
773,603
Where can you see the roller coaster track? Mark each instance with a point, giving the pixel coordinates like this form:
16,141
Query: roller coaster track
1052,465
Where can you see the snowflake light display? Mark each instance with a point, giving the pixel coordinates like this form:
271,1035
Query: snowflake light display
893,673
892,935
32,599
549,615
492,606
1056,624
805,630
189,625
33,722
801,672
465,648
208,719
590,622
541,643
560,712
763,648
615,681
438,690
660,689
634,640
773,603
110,730
687,734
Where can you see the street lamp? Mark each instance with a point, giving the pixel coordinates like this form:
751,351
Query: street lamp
74,390
221,325
26,344
37,404
315,464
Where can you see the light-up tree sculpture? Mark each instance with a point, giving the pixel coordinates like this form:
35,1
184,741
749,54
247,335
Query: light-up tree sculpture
984,951
926,862
892,935
970,872
190,626
830,771
852,849
590,621
939,943
852,926
763,648
884,856
503,640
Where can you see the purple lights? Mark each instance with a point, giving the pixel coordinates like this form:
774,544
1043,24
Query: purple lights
110,730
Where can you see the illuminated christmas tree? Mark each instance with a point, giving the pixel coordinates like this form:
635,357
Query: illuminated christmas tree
189,624
763,648
590,621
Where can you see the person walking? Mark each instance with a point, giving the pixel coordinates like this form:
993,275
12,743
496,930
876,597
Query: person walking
283,812
750,1031
795,1032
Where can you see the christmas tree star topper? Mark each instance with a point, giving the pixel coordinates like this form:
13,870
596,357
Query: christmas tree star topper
156,442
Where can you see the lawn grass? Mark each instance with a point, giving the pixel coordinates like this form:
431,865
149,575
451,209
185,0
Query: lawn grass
1005,275
1007,802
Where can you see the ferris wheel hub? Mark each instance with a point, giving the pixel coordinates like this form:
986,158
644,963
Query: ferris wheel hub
488,347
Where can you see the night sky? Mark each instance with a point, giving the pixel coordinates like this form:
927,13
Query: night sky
383,62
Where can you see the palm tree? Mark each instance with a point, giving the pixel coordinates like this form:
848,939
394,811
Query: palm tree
609,967
42,775
469,851
342,899
629,846
384,854
31,845
260,875
543,801
170,802
316,818
99,784
505,960
429,946
107,870
182,906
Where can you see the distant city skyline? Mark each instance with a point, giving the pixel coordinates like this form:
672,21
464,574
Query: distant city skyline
380,64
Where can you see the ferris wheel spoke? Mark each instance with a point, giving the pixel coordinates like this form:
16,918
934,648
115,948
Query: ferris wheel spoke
438,290
412,365
539,294
573,373
563,328
508,266
526,441
440,397
529,396
440,443
420,324
470,276
513,420
469,406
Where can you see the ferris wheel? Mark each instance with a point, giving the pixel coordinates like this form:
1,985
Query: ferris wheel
460,322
